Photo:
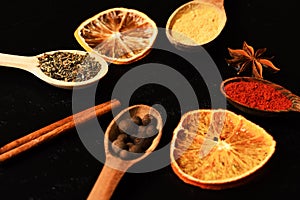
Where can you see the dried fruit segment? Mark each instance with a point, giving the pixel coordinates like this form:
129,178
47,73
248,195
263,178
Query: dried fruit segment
119,35
234,148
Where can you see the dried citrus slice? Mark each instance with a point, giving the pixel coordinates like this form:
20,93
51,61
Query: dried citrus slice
217,149
119,35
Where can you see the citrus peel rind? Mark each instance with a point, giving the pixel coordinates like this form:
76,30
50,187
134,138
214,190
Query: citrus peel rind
205,155
119,35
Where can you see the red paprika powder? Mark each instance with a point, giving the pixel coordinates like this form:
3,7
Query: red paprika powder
257,95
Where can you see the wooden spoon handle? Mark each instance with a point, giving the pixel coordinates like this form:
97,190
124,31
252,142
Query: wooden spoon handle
21,62
296,103
105,184
219,3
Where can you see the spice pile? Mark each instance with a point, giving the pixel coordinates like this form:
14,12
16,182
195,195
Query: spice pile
257,95
70,67
135,135
198,25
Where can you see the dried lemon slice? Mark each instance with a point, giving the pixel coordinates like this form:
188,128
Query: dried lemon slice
217,149
119,35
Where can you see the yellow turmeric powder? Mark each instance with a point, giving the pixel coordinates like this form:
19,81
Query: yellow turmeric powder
197,25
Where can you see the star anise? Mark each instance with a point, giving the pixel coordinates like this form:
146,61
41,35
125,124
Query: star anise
248,58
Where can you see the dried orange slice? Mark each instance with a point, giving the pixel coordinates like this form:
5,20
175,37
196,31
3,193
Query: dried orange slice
217,149
119,35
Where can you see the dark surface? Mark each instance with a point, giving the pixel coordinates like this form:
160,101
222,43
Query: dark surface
63,168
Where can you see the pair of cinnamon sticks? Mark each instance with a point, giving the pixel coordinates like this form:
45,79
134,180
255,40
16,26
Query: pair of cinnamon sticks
46,133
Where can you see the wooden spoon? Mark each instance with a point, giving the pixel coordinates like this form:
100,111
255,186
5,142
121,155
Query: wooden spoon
189,43
30,64
115,166
254,111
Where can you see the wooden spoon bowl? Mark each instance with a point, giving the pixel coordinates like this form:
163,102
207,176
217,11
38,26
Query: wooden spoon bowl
295,107
182,40
30,64
116,166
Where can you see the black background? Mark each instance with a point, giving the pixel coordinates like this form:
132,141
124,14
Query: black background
63,168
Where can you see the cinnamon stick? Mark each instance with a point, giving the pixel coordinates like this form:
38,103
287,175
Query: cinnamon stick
48,132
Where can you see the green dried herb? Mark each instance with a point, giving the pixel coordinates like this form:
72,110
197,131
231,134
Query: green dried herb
70,67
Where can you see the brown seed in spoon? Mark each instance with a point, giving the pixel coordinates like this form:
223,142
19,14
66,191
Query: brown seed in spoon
133,139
